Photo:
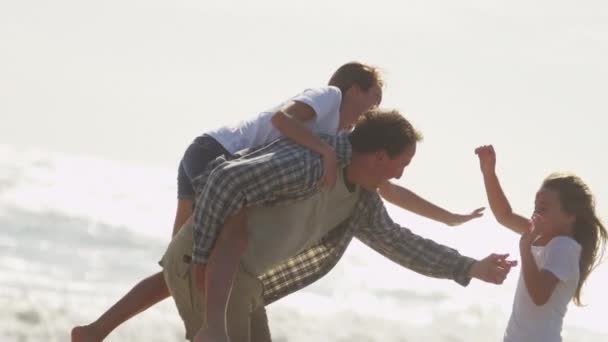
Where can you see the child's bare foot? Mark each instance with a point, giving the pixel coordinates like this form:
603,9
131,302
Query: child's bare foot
85,333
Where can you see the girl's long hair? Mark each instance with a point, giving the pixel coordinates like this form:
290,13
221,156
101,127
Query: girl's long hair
576,199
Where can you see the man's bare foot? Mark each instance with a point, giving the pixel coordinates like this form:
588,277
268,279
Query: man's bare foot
85,333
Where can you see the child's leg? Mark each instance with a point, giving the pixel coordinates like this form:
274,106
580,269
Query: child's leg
142,296
183,213
185,190
153,289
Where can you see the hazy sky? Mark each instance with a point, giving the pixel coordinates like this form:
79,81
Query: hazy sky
136,81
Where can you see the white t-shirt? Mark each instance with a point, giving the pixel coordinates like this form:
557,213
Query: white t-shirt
259,130
530,322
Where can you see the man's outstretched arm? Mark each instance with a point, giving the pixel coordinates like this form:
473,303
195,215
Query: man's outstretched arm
422,255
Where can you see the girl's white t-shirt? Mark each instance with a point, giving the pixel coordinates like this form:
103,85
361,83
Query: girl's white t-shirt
530,322
259,130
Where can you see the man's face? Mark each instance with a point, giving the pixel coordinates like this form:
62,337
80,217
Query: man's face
387,168
394,167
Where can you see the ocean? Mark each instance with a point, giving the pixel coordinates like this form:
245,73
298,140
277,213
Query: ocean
76,233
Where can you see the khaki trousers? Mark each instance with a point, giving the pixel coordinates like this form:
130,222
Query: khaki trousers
246,316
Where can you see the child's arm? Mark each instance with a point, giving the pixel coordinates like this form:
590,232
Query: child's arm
408,200
289,122
540,283
216,284
498,201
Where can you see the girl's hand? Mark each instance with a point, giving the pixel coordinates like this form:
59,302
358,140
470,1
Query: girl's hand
457,219
487,158
529,236
330,170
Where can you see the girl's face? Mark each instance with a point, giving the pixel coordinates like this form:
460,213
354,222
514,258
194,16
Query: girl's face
555,221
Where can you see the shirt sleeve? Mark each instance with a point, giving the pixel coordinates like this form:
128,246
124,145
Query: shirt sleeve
562,258
409,250
324,101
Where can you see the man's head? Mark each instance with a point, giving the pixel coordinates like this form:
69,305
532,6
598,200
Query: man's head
361,87
383,143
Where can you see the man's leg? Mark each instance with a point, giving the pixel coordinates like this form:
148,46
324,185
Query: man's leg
221,272
260,332
246,317
176,272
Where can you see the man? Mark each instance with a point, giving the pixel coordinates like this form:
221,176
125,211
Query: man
352,90
296,232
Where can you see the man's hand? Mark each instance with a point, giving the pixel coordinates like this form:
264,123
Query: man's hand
330,169
457,219
487,158
492,269
207,334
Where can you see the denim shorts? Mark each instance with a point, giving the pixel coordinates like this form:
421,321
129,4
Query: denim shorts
200,152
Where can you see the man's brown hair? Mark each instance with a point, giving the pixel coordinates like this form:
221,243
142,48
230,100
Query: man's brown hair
386,130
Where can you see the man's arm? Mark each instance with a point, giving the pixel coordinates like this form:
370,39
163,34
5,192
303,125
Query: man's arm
422,255
410,201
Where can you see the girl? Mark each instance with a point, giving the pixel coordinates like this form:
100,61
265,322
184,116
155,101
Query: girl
559,247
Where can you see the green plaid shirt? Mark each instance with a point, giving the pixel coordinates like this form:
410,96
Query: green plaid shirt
284,172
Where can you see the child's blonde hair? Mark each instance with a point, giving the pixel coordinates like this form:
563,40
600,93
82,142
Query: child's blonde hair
576,199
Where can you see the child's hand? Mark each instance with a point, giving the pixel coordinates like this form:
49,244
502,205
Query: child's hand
330,169
487,158
458,219
492,269
528,237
